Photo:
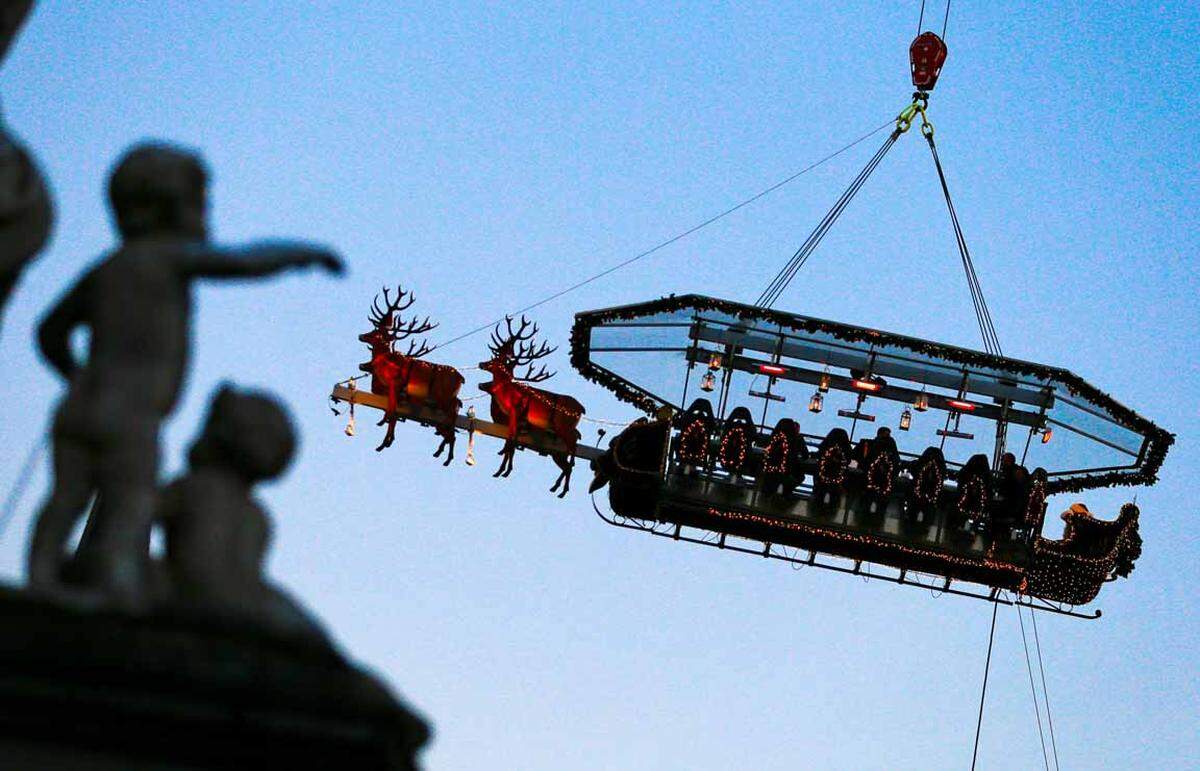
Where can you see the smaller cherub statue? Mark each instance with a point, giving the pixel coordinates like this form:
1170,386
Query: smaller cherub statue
216,533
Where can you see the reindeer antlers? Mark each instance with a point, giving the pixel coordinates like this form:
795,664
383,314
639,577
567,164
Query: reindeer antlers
388,321
535,377
517,348
379,314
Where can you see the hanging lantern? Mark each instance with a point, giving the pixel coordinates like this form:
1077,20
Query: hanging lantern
708,382
714,363
823,387
1046,434
817,402
921,403
905,419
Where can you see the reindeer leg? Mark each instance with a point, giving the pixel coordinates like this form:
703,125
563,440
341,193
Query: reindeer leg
570,466
440,431
561,471
512,441
390,436
504,458
389,416
448,436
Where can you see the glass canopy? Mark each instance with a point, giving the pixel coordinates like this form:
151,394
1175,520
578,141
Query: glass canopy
824,374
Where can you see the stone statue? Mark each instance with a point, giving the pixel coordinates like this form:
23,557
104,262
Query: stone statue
217,534
136,303
26,213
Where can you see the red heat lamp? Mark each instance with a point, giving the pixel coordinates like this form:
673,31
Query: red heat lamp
870,385
771,369
960,405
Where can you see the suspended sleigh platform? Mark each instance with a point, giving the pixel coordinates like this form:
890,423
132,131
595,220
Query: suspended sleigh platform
768,431
752,451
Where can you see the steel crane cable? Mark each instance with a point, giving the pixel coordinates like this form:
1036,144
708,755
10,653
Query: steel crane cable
983,691
983,316
17,491
1045,693
793,265
678,237
1032,690
945,19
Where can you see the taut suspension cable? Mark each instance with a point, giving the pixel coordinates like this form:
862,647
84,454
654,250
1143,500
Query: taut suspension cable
678,237
983,692
1032,690
987,329
793,265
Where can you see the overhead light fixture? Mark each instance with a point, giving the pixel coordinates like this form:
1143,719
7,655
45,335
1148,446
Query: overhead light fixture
823,387
714,361
768,395
906,419
708,382
817,402
1046,434
867,384
921,403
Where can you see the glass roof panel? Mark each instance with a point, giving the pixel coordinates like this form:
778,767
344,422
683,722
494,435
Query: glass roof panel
660,351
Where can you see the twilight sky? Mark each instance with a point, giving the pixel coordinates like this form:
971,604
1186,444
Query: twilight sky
489,154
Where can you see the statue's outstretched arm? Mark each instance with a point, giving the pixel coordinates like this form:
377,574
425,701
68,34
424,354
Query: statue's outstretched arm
54,333
260,258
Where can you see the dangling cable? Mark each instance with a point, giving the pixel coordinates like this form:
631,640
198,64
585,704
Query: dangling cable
18,489
1045,693
1032,690
790,268
983,692
987,328
678,237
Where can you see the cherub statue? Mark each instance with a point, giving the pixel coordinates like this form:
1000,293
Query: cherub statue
26,213
136,303
217,534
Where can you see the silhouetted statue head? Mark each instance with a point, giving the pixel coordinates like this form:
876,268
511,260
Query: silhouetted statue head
12,17
159,189
247,432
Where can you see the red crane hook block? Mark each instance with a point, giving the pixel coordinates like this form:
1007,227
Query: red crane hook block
927,55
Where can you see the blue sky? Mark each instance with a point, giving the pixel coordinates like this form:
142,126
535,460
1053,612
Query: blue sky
488,154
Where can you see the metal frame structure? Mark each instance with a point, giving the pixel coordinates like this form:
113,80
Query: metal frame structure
1001,389
901,577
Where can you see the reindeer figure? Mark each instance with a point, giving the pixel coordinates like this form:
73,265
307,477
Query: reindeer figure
521,406
405,376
